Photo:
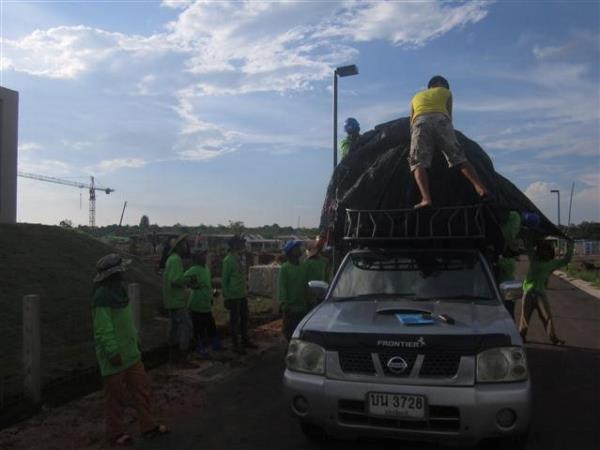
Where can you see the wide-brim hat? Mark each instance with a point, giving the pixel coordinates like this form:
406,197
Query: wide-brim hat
109,265
176,241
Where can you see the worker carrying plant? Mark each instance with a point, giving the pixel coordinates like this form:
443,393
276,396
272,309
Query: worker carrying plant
431,127
541,266
352,129
293,288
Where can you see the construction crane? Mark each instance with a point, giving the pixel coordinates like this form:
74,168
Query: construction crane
91,187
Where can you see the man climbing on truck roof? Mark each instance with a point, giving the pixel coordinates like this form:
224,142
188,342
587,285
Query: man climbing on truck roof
352,128
431,126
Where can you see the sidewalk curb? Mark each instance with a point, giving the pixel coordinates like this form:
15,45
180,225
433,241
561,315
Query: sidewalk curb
579,284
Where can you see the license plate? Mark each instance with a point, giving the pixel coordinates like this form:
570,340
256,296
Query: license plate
397,405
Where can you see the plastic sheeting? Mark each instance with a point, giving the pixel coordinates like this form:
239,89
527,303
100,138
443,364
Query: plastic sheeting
376,175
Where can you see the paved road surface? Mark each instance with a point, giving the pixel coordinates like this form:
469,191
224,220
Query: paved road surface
248,412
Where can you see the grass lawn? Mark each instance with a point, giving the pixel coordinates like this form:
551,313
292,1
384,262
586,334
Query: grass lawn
575,270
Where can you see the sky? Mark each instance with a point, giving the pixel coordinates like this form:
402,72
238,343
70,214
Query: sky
206,112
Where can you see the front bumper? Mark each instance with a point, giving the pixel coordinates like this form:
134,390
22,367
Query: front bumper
456,413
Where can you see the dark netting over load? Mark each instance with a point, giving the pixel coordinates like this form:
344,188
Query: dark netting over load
376,176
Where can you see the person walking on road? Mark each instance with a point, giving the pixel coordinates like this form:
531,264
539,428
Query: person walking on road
542,264
293,288
431,127
506,267
233,283
119,356
201,303
352,128
175,298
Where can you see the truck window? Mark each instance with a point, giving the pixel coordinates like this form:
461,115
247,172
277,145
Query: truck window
446,276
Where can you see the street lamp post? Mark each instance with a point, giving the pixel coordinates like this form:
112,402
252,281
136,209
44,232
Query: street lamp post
557,192
344,71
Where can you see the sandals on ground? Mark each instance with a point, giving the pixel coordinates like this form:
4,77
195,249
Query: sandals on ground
123,440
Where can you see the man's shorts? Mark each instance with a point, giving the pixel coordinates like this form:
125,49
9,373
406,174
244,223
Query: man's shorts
431,131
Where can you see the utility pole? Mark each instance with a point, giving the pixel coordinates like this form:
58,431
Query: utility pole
571,202
557,192
122,213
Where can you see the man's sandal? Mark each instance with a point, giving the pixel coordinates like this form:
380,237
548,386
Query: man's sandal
158,430
123,440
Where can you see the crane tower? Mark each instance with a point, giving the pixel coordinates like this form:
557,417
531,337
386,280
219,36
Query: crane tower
91,187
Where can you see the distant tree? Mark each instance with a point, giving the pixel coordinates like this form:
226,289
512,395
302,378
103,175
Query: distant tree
237,227
144,222
66,223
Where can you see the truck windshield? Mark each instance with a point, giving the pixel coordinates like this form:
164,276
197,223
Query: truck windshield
444,276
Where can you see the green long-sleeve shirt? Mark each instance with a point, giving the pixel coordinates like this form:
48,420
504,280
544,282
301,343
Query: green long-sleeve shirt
540,271
201,297
293,288
174,295
233,278
316,269
114,333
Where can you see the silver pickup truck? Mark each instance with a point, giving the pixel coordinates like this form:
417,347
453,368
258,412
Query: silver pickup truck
411,344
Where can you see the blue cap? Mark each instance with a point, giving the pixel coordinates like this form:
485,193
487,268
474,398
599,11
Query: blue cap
530,219
351,125
291,245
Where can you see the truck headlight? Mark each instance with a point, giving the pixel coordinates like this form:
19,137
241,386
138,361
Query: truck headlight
305,357
502,364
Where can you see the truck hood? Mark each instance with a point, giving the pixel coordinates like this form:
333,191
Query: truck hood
362,318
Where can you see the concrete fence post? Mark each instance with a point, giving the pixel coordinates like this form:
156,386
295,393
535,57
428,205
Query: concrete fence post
255,260
133,291
32,380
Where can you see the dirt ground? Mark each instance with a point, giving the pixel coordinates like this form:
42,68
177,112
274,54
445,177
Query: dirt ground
177,392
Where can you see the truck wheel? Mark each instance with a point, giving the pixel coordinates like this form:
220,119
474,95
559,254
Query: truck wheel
313,432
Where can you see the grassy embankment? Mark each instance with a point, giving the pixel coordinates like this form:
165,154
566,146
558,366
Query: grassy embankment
591,273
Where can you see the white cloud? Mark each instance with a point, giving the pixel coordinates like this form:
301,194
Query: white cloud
403,23
111,165
177,4
26,147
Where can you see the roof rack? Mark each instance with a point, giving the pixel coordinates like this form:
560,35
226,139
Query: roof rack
446,223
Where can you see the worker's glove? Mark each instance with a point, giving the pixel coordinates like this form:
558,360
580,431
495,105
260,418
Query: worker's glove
116,360
215,292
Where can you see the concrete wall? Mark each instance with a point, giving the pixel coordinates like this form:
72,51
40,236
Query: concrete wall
9,119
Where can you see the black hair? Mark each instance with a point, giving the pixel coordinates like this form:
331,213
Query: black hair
438,80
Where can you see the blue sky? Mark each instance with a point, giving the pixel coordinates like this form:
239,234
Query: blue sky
217,111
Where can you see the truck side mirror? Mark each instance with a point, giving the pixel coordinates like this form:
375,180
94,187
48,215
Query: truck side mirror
511,291
318,288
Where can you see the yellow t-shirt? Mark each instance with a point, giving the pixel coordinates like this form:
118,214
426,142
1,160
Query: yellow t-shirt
433,100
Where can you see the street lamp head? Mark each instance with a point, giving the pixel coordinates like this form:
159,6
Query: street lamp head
347,71
554,191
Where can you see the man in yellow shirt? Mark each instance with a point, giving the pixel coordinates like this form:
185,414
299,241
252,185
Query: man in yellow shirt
431,126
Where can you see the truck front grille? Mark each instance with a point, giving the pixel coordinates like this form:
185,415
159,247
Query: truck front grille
435,363
441,418
359,362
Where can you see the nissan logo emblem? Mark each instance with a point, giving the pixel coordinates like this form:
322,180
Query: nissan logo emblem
397,364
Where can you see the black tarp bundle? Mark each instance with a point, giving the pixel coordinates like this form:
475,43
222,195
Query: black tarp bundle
376,175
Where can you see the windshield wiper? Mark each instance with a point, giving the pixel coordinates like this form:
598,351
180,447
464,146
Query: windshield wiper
455,297
373,296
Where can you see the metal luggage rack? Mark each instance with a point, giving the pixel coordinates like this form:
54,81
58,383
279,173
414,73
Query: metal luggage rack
455,222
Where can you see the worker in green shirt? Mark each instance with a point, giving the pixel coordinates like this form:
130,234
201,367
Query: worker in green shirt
352,128
293,288
175,298
118,354
317,266
201,303
506,266
542,264
233,283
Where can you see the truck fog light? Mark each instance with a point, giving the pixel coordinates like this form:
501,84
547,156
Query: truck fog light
300,405
506,417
